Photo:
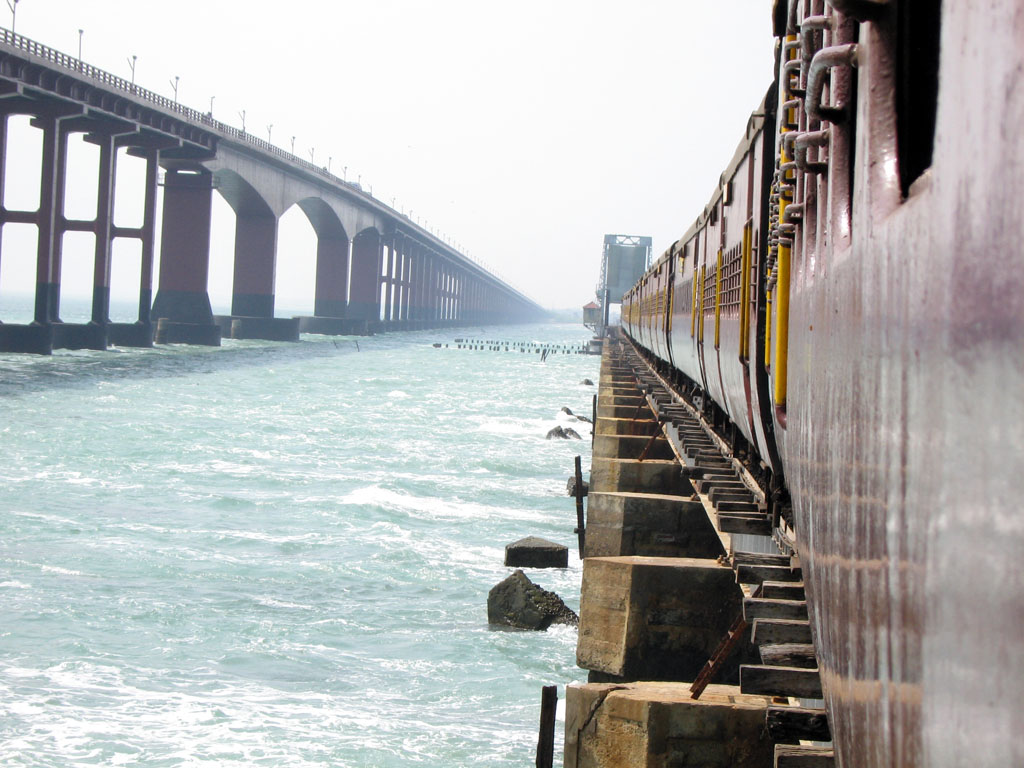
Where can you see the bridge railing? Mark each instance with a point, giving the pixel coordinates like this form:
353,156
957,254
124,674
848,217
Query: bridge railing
54,56
110,80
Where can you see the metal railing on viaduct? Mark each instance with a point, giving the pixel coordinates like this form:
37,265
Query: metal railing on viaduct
375,268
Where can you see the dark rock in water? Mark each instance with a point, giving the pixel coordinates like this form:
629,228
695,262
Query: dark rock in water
518,602
576,416
586,383
570,486
535,552
556,433
570,432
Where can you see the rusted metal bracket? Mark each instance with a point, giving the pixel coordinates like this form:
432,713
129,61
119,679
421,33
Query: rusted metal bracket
721,653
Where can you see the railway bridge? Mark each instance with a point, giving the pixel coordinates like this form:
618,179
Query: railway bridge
375,267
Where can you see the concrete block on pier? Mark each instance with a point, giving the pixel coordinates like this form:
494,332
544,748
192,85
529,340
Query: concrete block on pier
609,409
130,334
626,426
649,524
658,725
334,326
34,338
633,476
657,618
203,334
266,328
632,447
79,336
535,552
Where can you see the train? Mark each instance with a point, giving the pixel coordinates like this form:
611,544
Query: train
848,310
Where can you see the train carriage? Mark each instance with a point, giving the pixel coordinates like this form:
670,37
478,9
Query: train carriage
849,301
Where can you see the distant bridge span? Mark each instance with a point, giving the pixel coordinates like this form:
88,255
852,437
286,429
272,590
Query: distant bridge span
375,268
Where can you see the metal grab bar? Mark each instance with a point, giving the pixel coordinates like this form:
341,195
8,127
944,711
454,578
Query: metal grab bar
802,143
808,27
861,10
822,64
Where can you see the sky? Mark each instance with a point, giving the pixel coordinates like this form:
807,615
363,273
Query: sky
523,132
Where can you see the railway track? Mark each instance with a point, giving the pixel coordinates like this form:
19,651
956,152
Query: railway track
763,555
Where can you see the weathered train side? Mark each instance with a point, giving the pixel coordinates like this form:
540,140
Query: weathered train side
876,361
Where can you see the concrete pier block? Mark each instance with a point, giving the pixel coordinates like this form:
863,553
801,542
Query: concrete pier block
657,618
130,334
658,725
333,326
648,524
627,426
267,328
609,409
34,338
79,336
204,334
632,476
535,552
632,447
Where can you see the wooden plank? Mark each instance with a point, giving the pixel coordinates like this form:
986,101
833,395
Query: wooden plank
737,506
755,574
789,655
752,525
758,558
803,757
731,493
789,725
773,631
781,590
763,680
760,608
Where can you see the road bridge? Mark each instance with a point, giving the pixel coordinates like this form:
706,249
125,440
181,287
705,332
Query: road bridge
375,268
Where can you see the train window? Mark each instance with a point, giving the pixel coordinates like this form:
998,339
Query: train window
918,27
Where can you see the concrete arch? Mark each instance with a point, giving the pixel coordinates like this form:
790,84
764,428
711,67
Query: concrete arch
255,257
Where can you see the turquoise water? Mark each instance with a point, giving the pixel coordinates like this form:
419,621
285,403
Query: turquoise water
279,554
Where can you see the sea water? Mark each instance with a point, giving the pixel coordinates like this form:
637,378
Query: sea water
279,554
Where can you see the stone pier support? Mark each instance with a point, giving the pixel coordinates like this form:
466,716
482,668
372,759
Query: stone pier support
331,300
658,725
255,257
364,303
182,301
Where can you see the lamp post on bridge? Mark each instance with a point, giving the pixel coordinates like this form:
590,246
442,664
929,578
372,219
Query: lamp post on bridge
211,106
14,11
270,129
293,145
174,85
242,115
131,63
80,33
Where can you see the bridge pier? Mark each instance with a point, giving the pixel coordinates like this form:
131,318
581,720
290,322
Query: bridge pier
252,294
140,333
367,256
182,305
37,337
